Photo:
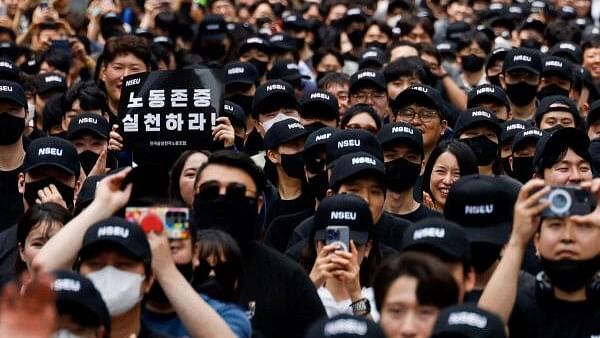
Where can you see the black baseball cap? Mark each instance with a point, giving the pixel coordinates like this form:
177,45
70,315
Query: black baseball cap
51,82
256,42
371,56
286,70
9,70
438,236
420,94
52,151
447,49
355,14
295,22
455,30
273,92
476,117
213,28
319,138
400,132
282,132
127,236
282,42
367,78
593,114
344,209
551,145
527,135
511,128
522,59
237,72
568,50
467,321
13,91
352,140
556,103
532,24
495,55
487,93
74,294
482,205
235,113
554,65
353,164
91,122
319,104
344,326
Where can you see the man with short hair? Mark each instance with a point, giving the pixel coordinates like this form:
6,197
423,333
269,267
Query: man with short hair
337,84
520,78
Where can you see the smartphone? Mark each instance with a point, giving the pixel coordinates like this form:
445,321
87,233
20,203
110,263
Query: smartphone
175,221
62,44
338,234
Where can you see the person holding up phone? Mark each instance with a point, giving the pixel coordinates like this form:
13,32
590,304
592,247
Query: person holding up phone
563,301
345,256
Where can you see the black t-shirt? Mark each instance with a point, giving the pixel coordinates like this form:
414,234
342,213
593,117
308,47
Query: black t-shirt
422,212
539,314
146,332
8,254
524,281
278,294
11,202
281,228
288,207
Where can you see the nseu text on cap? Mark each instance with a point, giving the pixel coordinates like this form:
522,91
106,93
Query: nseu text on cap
344,326
52,151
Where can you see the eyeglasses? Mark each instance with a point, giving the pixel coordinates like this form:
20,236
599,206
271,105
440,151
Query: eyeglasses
362,97
425,115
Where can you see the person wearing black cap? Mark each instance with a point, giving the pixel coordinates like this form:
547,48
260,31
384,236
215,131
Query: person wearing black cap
47,85
491,98
446,241
493,65
289,303
354,25
521,77
557,111
284,145
241,79
214,43
509,130
368,86
530,34
344,326
237,117
592,121
410,290
523,150
468,321
402,147
274,101
567,50
89,133
421,106
257,51
81,309
361,116
557,77
299,29
562,157
373,58
318,109
289,72
479,129
562,301
342,274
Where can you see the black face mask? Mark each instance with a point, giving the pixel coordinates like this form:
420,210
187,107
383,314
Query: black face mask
521,94
318,185
221,286
472,63
506,166
239,143
310,128
31,190
244,101
300,43
213,52
551,90
215,212
554,128
568,274
495,80
531,44
261,66
430,78
293,165
523,168
483,255
380,45
401,174
88,160
485,149
356,37
157,294
11,128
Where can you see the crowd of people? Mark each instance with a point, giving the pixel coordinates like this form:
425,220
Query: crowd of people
390,168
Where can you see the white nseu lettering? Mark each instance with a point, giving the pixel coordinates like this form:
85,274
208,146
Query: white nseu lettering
6,65
484,209
467,318
53,78
276,38
401,129
515,126
295,125
320,96
490,90
553,63
50,151
363,160
66,284
6,88
110,230
322,137
444,46
421,89
275,86
212,27
292,66
348,143
521,57
342,326
567,46
481,113
91,120
533,132
235,70
353,11
370,54
132,82
343,215
365,74
255,40
429,232
227,107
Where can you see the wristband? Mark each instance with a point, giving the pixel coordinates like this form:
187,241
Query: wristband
361,307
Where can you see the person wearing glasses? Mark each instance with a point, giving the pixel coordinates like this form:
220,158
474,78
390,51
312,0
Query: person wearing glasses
421,106
368,86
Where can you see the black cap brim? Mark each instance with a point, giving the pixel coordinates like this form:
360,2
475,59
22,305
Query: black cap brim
522,67
53,164
495,234
71,135
96,245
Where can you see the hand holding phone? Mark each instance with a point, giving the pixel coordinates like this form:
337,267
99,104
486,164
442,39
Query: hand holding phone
339,235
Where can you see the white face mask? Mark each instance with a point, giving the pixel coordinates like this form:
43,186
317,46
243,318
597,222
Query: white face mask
31,112
64,333
279,117
119,289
